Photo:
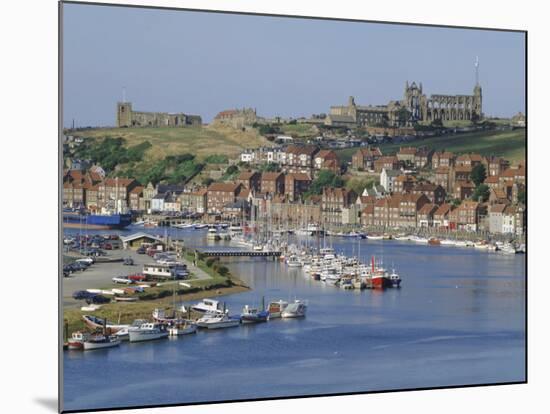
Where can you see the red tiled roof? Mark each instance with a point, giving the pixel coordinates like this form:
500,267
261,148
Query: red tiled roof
443,209
493,179
428,209
271,176
497,208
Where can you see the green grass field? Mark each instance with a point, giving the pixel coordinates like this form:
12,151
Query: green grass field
507,144
200,141
298,130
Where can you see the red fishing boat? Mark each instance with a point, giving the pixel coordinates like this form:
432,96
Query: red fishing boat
380,278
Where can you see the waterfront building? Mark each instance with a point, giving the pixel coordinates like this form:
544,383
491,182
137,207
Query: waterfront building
272,183
465,216
135,194
441,216
333,201
249,180
296,184
220,194
426,215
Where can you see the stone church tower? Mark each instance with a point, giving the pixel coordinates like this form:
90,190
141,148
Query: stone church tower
124,114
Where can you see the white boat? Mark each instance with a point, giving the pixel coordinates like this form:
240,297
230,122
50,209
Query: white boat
293,261
447,242
101,342
90,308
296,309
275,308
218,321
207,305
186,328
124,333
374,237
212,235
508,248
77,340
147,332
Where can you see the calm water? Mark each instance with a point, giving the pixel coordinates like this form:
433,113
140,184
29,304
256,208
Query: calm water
458,319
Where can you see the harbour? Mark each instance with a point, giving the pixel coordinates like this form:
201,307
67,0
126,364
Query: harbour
458,318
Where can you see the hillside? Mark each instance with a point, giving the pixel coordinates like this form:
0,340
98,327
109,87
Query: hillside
200,141
507,144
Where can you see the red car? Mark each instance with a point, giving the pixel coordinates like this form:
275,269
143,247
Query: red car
137,278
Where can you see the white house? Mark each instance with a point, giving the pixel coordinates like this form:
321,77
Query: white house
387,178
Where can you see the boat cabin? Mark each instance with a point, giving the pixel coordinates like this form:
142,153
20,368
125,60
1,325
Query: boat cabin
172,270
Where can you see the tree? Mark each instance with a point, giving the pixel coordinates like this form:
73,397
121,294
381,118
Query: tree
478,174
481,192
325,178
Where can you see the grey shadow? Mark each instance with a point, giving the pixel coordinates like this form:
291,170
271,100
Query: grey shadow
49,403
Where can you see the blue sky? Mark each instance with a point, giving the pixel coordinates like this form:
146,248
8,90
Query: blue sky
202,63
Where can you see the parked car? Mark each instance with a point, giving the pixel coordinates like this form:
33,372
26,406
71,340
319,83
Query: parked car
141,250
83,294
97,299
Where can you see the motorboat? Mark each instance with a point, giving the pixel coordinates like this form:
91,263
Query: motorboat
254,315
293,261
101,342
218,321
207,305
296,309
395,279
185,328
147,332
276,308
77,340
124,333
212,235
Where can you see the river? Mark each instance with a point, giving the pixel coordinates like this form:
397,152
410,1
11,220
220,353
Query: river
458,319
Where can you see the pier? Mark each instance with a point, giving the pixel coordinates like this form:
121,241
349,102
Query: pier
239,253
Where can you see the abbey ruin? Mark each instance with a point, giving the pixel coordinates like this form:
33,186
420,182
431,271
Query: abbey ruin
414,107
126,117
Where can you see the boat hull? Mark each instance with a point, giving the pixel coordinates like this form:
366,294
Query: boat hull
92,346
137,336
223,324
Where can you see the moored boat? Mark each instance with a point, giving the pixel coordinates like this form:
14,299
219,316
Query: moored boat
185,328
101,342
94,323
296,309
77,340
147,332
254,315
276,308
218,321
207,305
